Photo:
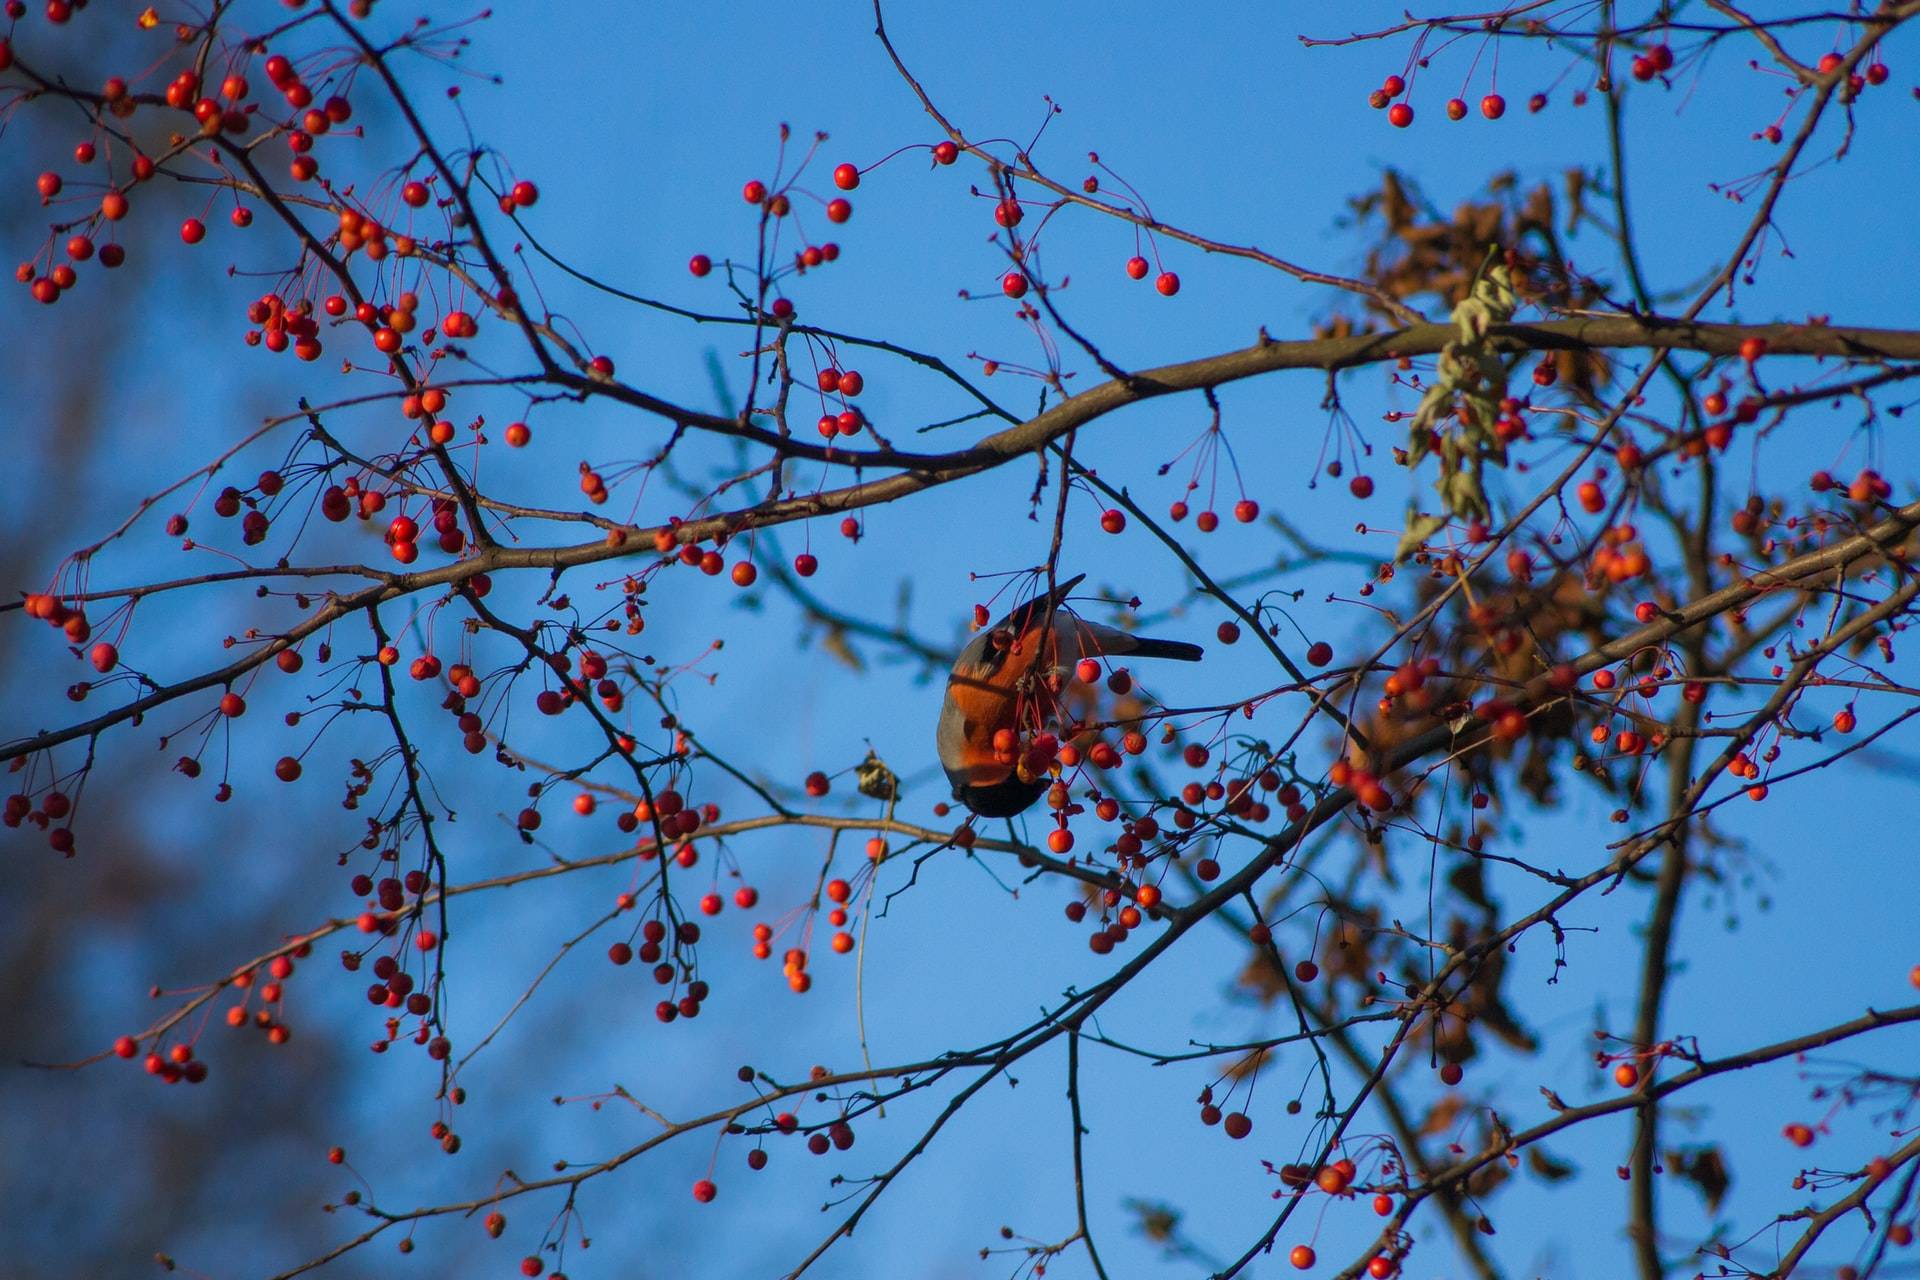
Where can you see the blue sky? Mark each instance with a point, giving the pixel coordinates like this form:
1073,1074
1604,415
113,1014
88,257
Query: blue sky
640,130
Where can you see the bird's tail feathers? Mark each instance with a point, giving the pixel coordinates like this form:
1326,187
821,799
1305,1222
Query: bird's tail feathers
1178,650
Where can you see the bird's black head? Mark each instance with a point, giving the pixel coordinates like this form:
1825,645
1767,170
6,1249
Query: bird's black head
1002,799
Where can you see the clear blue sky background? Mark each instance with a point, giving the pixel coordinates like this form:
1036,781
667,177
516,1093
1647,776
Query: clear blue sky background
640,128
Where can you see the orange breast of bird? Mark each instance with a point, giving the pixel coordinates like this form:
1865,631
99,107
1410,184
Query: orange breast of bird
985,698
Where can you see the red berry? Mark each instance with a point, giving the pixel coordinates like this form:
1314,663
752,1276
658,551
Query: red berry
193,231
1456,109
1137,268
524,194
1493,106
805,565
704,1191
839,210
1014,284
846,177
1167,283
1113,520
699,264
1400,115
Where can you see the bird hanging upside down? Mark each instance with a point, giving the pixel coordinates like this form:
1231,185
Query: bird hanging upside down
1004,688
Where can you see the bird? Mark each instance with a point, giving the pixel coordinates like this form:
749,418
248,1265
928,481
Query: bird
999,686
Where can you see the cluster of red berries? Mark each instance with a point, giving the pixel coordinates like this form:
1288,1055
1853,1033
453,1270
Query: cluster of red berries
1245,511
55,612
403,532
1868,486
846,383
54,806
177,1064
521,195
